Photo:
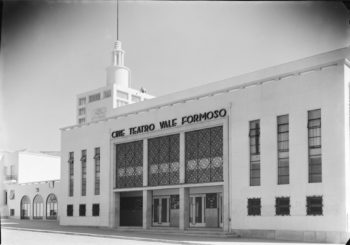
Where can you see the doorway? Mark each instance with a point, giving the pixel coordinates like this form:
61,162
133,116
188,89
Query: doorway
197,210
161,211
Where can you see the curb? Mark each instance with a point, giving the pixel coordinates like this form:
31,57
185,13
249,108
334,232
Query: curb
106,236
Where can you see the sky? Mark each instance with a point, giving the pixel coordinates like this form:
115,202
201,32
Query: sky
53,50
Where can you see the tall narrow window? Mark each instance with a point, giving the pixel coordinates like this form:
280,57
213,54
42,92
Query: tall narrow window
83,172
70,210
82,210
283,149
314,138
254,142
71,173
97,170
95,209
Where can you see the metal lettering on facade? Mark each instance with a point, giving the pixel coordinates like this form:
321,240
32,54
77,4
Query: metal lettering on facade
194,118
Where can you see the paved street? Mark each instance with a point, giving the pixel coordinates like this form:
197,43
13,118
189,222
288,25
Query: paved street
18,232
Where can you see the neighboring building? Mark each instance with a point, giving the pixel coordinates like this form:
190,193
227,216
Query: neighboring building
29,184
265,154
100,103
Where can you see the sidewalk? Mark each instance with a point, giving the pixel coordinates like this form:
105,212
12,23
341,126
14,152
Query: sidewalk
178,238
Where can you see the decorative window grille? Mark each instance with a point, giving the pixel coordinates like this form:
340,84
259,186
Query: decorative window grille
163,160
254,206
314,139
204,155
97,170
69,210
283,149
282,206
95,209
82,210
83,172
314,205
71,173
129,160
254,143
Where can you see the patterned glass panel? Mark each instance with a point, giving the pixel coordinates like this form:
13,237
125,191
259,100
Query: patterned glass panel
163,160
204,155
129,160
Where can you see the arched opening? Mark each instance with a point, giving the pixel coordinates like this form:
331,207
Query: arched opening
25,207
51,207
38,207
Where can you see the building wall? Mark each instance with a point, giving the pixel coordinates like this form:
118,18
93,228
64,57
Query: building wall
294,93
31,190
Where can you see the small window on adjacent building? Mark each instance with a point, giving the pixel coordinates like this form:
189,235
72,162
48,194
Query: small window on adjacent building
82,101
314,205
135,98
107,93
81,111
94,97
254,206
81,120
12,212
122,95
82,210
282,206
95,209
254,143
69,210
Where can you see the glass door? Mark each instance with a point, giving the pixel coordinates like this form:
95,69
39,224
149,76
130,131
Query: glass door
197,210
161,211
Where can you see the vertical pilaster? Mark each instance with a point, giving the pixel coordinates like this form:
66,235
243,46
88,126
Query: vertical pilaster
182,158
226,191
116,215
145,162
184,208
147,209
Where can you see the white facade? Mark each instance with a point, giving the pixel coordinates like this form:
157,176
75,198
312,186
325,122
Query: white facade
293,89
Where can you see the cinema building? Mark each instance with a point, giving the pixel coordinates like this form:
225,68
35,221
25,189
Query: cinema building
265,154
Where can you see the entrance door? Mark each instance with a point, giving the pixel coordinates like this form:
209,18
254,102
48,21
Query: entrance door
197,210
161,211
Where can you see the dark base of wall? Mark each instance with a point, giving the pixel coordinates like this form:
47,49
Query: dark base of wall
303,236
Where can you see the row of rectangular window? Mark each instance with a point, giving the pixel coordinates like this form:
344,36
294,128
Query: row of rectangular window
94,97
314,149
82,209
314,206
84,172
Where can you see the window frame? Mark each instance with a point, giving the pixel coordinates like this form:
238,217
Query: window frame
253,207
97,161
254,156
314,135
70,210
95,209
280,207
309,206
83,172
82,210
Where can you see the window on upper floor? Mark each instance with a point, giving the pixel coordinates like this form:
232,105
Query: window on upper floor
107,93
135,98
283,149
83,172
97,170
315,146
81,111
82,101
94,97
254,144
122,95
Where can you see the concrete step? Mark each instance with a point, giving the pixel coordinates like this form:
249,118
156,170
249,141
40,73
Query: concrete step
204,232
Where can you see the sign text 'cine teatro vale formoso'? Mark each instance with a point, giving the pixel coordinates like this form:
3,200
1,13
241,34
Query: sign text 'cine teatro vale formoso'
171,123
